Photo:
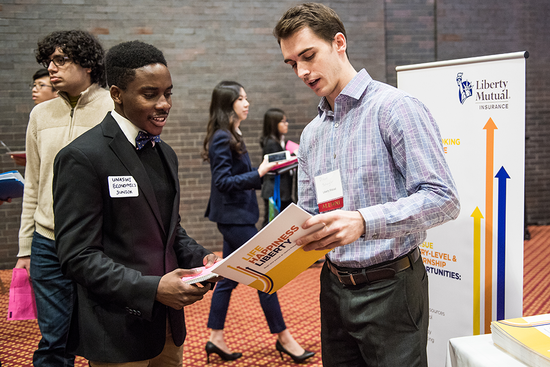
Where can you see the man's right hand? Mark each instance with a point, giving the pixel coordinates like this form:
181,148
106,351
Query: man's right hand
25,263
173,292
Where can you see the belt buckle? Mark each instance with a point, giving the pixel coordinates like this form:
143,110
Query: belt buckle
346,274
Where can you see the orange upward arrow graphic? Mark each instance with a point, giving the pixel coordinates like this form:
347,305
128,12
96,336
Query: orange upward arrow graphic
490,153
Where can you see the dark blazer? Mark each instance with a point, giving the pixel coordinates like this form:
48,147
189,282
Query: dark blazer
272,146
116,248
232,196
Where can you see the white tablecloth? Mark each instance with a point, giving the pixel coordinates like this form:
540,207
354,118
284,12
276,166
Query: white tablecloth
478,351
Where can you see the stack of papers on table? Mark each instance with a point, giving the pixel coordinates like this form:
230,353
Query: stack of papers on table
526,338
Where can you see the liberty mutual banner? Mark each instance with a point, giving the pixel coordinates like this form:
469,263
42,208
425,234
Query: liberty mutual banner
475,263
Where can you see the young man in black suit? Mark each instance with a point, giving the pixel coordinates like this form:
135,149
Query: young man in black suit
117,224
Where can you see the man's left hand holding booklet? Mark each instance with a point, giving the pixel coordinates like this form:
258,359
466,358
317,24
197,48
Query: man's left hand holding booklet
11,185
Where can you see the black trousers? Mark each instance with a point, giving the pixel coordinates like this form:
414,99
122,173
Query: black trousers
383,324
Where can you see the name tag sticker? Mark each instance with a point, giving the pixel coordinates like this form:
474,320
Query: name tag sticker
330,194
122,187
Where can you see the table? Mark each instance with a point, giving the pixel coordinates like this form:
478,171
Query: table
478,351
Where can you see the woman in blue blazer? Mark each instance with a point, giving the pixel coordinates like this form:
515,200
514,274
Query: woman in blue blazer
233,206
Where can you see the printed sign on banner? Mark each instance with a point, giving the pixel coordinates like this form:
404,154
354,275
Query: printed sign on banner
475,263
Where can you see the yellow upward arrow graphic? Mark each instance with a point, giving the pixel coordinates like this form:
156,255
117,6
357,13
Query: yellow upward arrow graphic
477,269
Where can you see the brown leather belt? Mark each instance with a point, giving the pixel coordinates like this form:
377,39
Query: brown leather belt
375,272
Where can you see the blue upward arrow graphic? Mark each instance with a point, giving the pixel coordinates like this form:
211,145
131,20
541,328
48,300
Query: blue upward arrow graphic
502,176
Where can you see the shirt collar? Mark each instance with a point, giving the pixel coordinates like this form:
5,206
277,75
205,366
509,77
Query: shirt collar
130,130
354,89
85,97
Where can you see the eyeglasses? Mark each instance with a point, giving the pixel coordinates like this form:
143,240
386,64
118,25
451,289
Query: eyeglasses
57,61
283,122
39,86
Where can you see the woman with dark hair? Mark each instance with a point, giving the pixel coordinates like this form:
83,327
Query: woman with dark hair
272,141
233,206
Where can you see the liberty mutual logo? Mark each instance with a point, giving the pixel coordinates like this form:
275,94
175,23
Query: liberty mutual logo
489,94
464,88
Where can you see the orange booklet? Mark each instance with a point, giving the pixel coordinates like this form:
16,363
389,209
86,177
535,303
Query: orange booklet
270,259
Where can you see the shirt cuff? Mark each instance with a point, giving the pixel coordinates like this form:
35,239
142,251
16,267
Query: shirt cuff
25,245
375,222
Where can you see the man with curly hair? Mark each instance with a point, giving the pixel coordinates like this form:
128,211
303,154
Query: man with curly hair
75,62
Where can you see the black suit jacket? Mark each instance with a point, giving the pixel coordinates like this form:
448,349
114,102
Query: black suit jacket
232,196
116,248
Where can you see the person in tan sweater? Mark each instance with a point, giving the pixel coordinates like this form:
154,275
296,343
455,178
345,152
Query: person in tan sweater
75,61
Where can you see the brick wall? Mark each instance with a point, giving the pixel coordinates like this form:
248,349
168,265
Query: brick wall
209,41
204,42
410,34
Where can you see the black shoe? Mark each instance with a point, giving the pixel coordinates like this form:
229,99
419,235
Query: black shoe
212,348
298,359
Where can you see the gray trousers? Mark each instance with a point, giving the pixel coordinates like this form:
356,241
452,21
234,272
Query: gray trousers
383,324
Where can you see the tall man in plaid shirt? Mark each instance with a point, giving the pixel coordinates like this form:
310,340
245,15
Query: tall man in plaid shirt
375,154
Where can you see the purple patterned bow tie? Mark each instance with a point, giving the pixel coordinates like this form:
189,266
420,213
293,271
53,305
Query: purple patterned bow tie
143,137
